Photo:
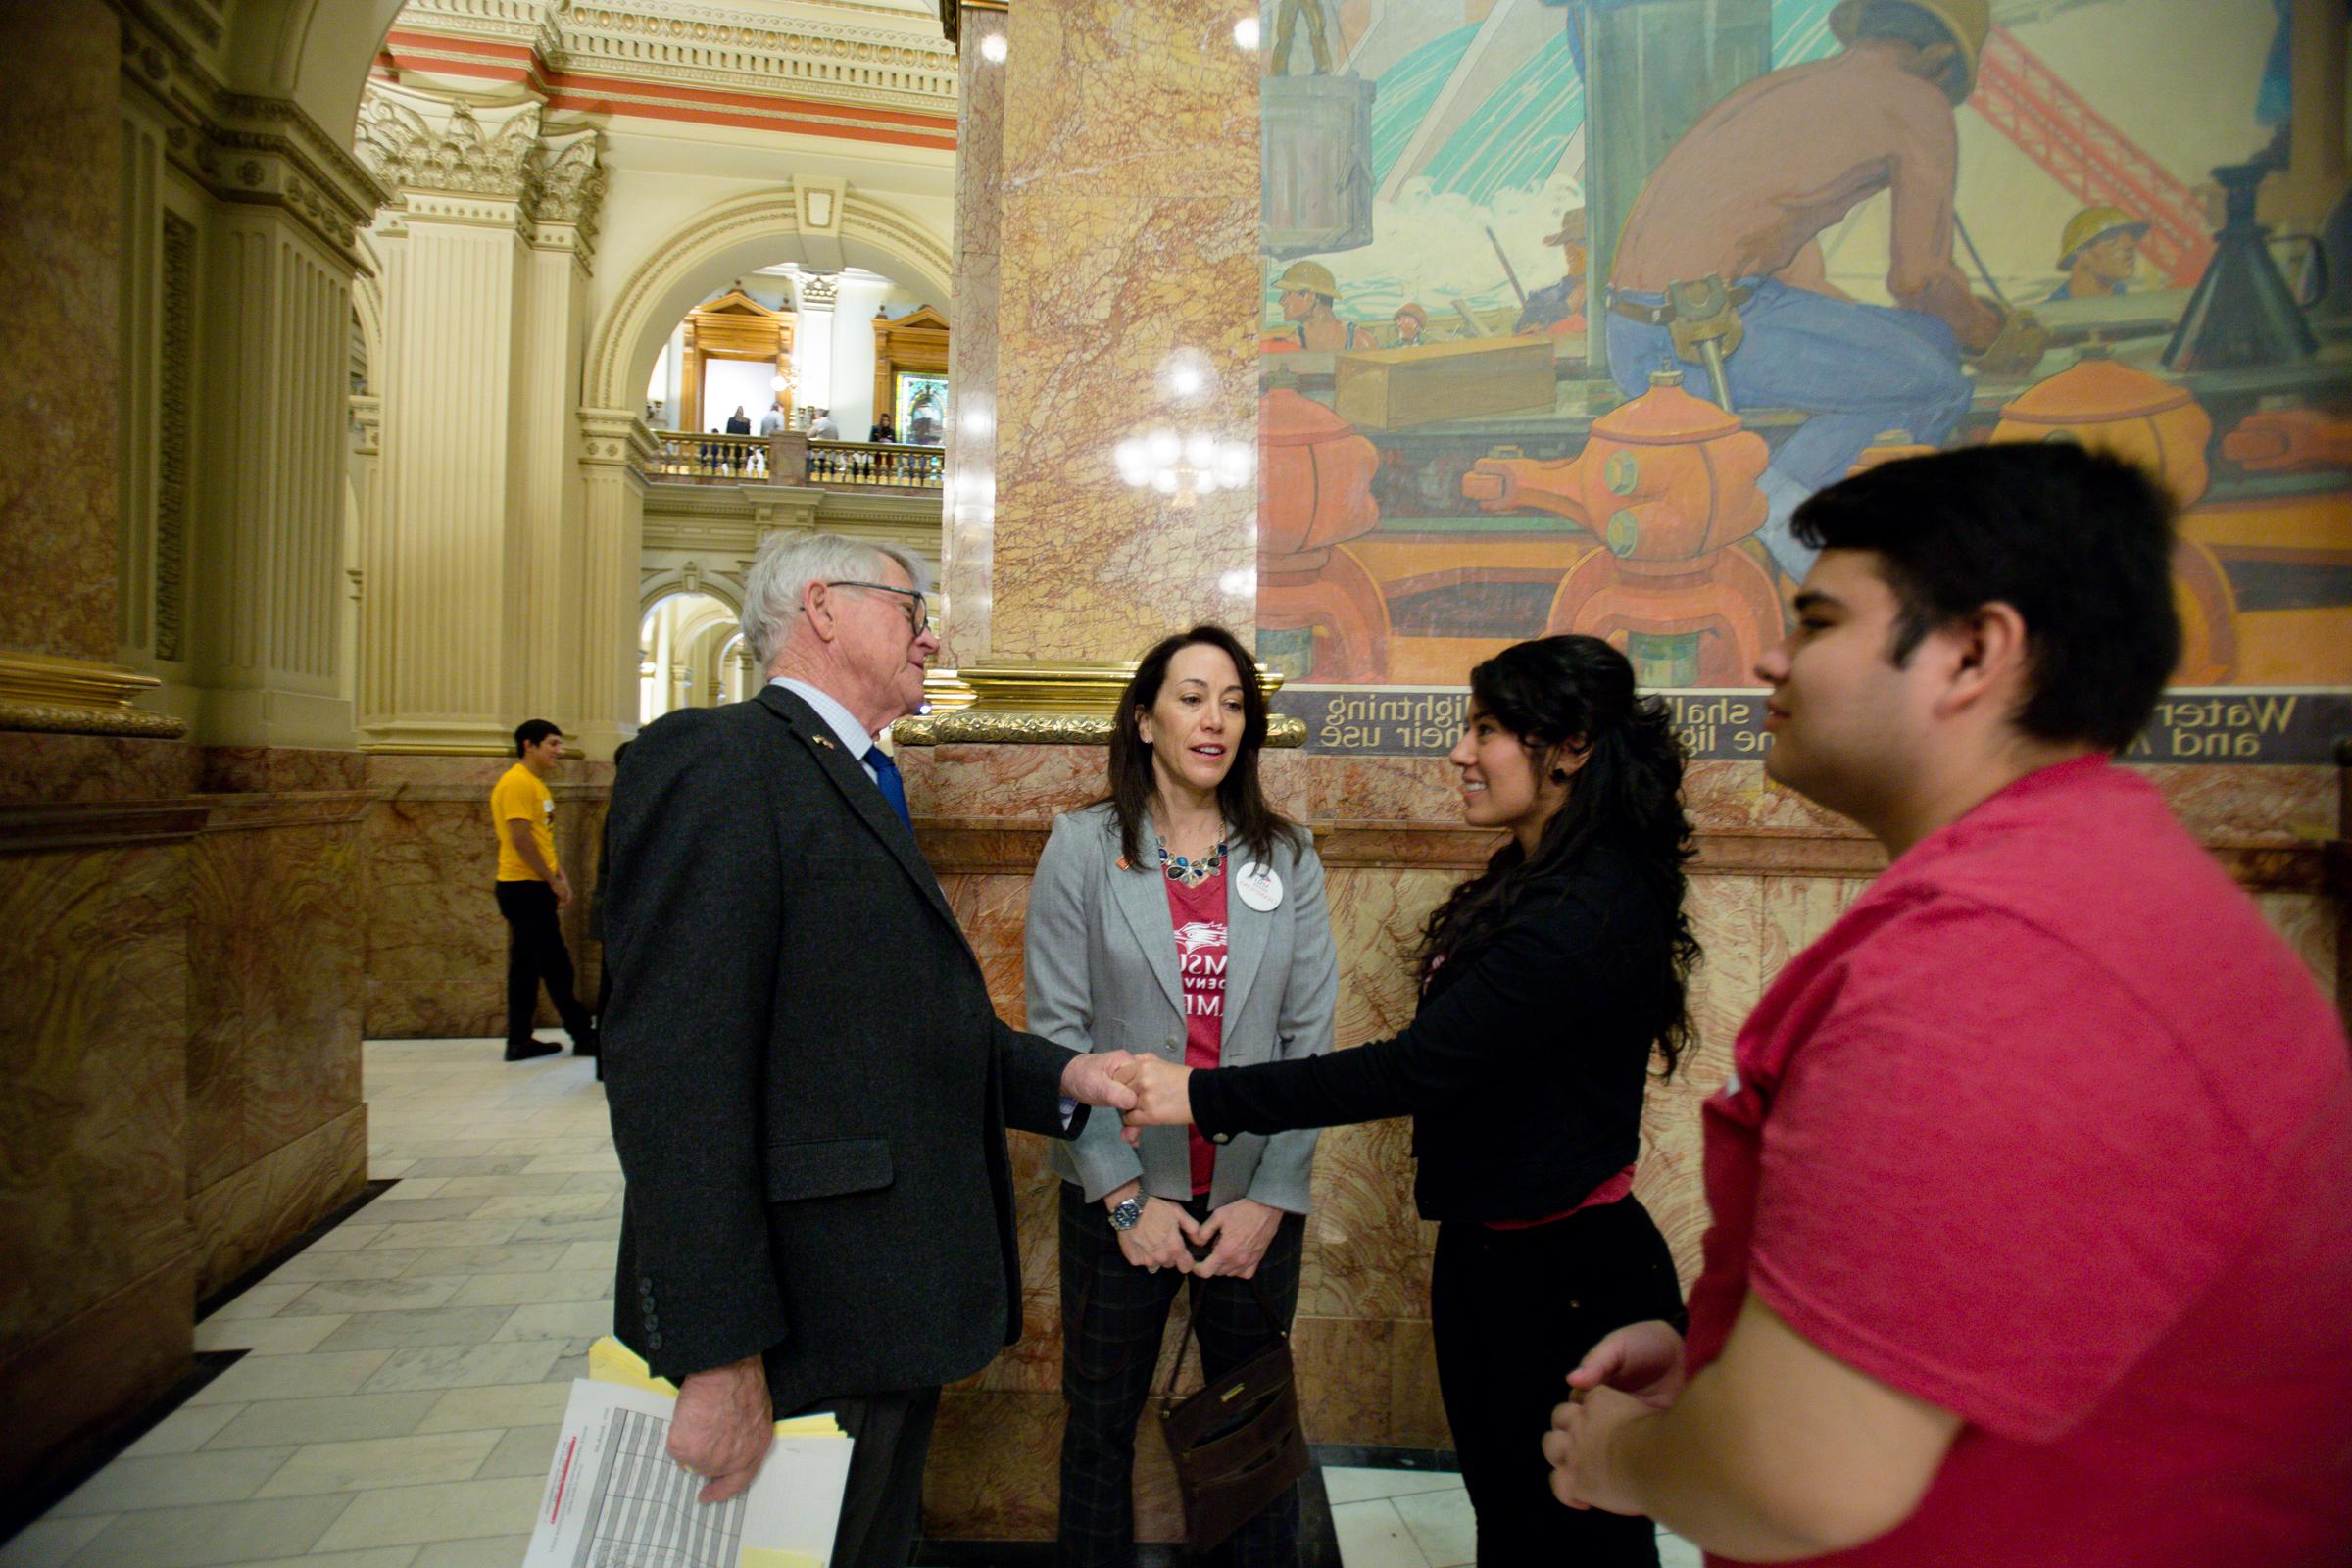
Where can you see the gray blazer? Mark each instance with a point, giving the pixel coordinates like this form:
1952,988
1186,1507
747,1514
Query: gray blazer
1102,976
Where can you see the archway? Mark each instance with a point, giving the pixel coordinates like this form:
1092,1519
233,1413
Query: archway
681,642
725,241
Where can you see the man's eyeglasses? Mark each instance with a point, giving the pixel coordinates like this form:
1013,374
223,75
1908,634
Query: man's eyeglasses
918,610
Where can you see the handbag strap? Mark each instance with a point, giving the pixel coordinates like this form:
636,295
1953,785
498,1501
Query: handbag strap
1192,1327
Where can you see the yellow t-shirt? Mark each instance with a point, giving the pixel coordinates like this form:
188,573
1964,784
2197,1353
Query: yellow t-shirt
521,795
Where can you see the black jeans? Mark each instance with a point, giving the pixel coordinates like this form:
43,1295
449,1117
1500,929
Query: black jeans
1512,1312
1112,1318
536,955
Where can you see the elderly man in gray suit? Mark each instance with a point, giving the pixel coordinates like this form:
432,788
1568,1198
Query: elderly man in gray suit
808,1080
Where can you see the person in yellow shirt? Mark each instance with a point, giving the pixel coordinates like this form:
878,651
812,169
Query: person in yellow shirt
531,889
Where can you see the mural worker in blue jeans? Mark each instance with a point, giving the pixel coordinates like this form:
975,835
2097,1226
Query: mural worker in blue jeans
1741,203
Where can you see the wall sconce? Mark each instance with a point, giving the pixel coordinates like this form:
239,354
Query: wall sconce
1185,468
991,48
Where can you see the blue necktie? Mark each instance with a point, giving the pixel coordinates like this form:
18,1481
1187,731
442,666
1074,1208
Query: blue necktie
893,787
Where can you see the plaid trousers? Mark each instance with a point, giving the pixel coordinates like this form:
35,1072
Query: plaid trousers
1114,1316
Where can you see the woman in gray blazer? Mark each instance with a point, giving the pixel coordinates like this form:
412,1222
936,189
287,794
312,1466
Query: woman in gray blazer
1181,918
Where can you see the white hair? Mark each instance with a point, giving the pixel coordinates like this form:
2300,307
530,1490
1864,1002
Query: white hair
788,563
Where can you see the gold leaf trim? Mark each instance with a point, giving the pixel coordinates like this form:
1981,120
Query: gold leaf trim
78,697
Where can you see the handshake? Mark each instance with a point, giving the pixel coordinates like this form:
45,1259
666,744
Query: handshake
1146,1091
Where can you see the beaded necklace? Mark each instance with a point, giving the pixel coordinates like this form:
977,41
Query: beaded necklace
1189,872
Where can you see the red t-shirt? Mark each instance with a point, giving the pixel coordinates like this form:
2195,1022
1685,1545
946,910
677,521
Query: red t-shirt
2052,1131
1198,916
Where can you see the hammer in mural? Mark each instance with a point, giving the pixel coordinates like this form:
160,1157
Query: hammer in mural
1719,269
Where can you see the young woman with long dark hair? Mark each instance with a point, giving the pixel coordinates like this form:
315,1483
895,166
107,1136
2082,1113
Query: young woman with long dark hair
1551,982
1180,918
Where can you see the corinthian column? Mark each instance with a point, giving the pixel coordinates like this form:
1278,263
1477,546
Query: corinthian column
476,571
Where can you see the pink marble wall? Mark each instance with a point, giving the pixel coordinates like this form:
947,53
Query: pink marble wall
59,86
178,1028
436,965
275,1120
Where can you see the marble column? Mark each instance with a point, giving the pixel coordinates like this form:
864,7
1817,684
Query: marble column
60,267
1106,235
967,550
1128,237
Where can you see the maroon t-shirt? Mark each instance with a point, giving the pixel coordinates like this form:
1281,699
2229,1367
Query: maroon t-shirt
2052,1130
1198,916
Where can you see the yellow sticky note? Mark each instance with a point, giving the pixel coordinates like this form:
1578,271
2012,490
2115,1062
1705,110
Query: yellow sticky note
777,1557
611,1361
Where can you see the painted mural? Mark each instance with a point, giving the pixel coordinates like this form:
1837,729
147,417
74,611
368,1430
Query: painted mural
1567,306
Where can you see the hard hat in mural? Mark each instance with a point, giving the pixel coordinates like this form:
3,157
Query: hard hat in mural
1572,228
1968,22
2093,224
1313,276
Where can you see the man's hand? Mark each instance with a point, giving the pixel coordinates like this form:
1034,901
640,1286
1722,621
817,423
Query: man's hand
723,1426
2017,348
1643,1359
1096,1078
1162,1237
1577,1446
562,886
1162,1090
1241,1232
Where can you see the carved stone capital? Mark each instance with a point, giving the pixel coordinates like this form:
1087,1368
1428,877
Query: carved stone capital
490,163
414,141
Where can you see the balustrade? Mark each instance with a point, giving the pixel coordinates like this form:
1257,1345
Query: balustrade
689,457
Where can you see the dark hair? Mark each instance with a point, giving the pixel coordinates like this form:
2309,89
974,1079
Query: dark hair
1253,822
1903,23
1580,691
531,731
2078,543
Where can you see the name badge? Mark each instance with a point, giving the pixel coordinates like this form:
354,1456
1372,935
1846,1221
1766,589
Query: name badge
1258,886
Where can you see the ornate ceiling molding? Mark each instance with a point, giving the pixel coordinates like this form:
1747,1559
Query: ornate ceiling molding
561,47
240,148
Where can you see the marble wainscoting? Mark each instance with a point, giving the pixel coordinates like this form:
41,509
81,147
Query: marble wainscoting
177,1030
1773,873
277,1134
437,946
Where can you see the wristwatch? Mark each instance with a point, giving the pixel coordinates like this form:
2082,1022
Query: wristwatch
1126,1213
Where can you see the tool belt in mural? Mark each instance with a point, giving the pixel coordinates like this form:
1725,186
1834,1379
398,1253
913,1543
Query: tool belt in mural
1696,314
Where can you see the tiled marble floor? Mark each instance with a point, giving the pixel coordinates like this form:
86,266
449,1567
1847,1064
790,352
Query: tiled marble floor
404,1375
1421,1519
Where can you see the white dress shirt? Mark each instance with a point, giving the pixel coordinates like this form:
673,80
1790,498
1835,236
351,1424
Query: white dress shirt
837,718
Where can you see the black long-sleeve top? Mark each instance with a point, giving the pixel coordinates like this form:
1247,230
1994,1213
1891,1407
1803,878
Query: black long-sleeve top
1525,1067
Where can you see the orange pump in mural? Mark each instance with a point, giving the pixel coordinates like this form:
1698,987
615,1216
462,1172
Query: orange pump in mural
2111,407
1668,484
1314,494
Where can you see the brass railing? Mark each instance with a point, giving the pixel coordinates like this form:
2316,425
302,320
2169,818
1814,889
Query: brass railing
711,459
864,463
687,457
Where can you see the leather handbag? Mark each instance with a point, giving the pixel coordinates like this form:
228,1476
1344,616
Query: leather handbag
1237,1442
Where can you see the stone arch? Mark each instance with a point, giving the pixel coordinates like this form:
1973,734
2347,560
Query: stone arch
670,584
723,242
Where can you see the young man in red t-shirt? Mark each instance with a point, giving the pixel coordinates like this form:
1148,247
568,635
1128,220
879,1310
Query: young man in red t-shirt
2027,1185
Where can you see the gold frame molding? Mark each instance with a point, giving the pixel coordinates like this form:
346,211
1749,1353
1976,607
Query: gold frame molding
1044,704
43,693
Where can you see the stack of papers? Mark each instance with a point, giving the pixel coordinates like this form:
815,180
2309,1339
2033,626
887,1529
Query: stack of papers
616,1497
